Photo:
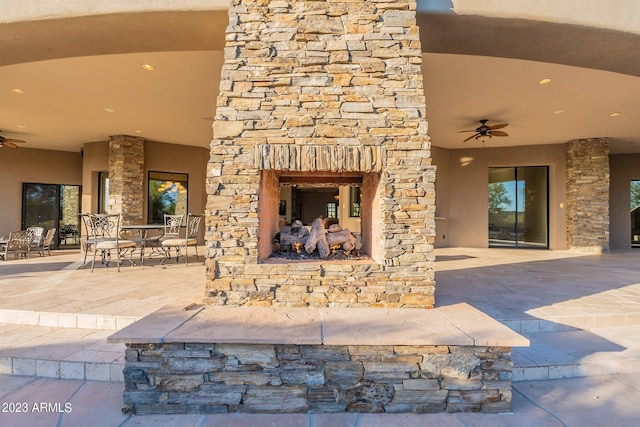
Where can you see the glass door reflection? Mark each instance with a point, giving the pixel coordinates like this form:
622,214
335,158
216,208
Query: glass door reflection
518,207
53,206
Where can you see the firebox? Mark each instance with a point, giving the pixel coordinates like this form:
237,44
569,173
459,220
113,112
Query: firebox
300,208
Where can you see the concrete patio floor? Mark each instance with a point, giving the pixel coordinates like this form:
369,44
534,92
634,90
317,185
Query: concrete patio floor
580,312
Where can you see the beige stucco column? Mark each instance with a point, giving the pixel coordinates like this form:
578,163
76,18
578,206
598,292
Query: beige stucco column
126,177
588,176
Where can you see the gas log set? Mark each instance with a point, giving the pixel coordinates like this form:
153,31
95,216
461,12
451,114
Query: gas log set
317,242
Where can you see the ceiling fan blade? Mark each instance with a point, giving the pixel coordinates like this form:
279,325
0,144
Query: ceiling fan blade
15,140
500,126
9,144
470,130
499,133
471,137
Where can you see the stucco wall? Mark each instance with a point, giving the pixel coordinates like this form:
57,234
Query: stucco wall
37,166
624,168
461,188
95,159
441,158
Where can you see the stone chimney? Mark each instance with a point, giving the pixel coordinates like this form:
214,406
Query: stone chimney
323,91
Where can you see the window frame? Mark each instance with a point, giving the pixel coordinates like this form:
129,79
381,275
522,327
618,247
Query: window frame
176,177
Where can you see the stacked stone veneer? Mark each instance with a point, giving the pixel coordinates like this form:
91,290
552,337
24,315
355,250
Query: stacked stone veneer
588,195
321,88
126,178
219,378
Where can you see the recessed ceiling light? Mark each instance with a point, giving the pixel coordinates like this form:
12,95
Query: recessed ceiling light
138,131
18,91
148,67
544,81
109,110
616,114
21,126
558,112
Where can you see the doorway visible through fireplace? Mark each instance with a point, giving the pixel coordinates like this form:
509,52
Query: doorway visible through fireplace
294,198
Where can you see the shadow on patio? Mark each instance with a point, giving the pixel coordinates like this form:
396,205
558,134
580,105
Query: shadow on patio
581,312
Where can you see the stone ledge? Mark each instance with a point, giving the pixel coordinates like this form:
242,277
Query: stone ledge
459,324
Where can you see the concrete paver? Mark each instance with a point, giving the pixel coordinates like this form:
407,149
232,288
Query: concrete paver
573,307
594,401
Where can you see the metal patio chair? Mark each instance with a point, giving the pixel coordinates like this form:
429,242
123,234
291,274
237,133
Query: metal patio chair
172,224
190,239
106,231
19,244
45,243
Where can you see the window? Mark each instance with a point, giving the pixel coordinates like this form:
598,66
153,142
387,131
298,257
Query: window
354,201
103,192
167,195
332,210
635,213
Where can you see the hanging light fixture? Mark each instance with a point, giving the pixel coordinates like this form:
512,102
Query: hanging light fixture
484,137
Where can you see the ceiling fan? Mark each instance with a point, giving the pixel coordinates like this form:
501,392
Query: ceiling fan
484,133
10,142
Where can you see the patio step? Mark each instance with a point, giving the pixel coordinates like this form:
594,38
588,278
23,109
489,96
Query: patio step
578,353
103,322
65,353
572,323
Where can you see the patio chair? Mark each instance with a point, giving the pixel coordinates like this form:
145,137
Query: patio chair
38,237
89,239
172,224
190,239
45,243
19,243
70,231
106,231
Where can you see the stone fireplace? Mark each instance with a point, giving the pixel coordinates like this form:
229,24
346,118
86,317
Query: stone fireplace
329,94
319,99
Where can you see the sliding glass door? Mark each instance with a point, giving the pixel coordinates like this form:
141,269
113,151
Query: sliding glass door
518,207
53,205
635,213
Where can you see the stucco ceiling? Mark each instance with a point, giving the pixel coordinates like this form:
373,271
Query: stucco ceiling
65,101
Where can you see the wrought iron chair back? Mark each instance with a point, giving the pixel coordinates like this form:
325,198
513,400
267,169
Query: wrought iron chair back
104,226
193,225
172,224
38,235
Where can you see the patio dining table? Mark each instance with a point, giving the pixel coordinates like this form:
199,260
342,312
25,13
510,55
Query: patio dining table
143,230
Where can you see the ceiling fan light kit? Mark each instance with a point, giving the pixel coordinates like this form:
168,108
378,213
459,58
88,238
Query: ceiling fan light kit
483,133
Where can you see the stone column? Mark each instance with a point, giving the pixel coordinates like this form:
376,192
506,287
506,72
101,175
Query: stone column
126,177
588,195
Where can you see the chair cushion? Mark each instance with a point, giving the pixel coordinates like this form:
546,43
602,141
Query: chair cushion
173,242
112,244
178,242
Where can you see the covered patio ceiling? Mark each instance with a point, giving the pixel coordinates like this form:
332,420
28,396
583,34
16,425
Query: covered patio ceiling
65,82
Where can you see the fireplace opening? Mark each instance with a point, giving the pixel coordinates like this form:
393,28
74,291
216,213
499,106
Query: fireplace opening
316,216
